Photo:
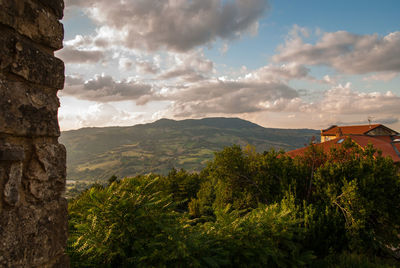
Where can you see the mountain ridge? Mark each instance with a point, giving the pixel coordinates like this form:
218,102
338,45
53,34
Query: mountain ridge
99,152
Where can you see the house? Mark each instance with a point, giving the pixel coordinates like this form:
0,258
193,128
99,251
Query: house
368,130
380,136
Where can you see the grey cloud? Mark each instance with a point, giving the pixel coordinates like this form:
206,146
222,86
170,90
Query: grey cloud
189,67
105,89
346,52
73,80
187,75
141,66
379,120
284,72
70,54
387,120
227,97
178,25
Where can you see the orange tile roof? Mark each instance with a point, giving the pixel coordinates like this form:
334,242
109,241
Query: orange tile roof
382,143
349,130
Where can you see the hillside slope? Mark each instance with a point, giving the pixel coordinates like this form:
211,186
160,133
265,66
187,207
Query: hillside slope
98,153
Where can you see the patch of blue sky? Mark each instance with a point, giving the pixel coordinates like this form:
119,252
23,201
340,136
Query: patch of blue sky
76,22
356,16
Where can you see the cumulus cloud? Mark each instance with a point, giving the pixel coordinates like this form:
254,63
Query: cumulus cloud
328,79
282,72
387,76
189,67
74,80
340,105
185,74
341,102
226,97
207,97
178,25
125,64
141,66
344,100
147,67
224,48
344,51
70,54
104,88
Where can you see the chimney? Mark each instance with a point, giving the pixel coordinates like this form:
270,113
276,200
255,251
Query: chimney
339,133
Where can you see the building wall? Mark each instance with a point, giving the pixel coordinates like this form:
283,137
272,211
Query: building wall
33,211
381,131
327,138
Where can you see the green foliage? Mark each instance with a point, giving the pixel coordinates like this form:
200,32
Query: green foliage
354,260
245,178
202,206
268,236
181,185
123,224
246,209
364,187
112,179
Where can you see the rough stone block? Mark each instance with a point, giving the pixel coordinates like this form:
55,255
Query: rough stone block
38,67
53,158
28,110
47,172
3,178
24,59
11,153
56,5
34,236
39,24
13,185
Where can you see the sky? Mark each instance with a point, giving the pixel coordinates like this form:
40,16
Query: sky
277,63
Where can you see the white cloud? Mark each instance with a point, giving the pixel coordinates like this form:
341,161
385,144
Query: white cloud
98,114
224,48
147,67
125,64
328,79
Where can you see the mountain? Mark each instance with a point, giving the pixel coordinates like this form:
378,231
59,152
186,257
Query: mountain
98,153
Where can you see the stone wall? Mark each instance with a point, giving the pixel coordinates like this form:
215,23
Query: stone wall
33,212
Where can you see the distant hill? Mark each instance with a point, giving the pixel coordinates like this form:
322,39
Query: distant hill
98,153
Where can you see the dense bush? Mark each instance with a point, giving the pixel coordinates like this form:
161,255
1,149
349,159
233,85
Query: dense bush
123,224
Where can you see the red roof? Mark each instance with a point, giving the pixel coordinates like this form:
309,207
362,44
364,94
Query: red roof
382,143
349,130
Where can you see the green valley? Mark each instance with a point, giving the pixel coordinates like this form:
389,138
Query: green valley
95,154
